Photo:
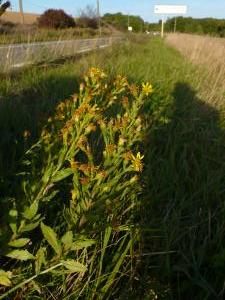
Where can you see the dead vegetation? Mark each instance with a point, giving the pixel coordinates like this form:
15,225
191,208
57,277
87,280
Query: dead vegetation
208,53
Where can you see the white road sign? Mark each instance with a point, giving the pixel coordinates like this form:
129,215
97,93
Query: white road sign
130,28
171,9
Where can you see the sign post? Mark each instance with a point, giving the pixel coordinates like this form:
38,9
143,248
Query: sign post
162,27
169,10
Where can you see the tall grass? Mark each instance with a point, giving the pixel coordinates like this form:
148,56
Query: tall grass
180,210
207,53
33,35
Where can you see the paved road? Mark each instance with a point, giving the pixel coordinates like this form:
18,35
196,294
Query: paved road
17,55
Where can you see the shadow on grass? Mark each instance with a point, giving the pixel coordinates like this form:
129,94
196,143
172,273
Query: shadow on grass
185,201
27,111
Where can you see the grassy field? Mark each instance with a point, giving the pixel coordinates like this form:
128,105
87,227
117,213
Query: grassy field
15,17
207,53
155,233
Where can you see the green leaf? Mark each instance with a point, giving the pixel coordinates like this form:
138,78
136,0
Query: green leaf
80,244
5,278
60,175
50,197
13,214
19,243
20,255
29,227
47,175
67,240
51,238
31,211
74,266
40,259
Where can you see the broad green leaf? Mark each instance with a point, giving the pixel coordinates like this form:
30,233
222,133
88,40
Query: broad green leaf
19,243
80,244
60,175
5,278
51,238
74,266
20,255
67,240
31,211
40,259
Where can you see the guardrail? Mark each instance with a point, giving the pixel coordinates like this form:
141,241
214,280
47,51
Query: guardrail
18,55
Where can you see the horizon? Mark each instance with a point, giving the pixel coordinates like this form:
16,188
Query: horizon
202,9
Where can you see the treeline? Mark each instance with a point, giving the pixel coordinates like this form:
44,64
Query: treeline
210,26
121,21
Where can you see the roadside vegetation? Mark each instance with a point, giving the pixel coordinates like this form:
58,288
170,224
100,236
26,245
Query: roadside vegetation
207,53
55,25
32,35
112,183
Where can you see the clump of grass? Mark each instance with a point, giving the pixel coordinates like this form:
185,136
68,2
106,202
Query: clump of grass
70,231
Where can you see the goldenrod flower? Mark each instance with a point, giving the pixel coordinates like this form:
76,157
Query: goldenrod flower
45,134
134,89
120,83
61,106
74,195
74,165
91,127
85,181
137,162
26,134
122,141
127,156
147,88
110,148
96,73
125,102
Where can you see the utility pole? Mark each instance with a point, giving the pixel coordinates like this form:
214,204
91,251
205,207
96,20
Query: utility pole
175,24
21,11
99,18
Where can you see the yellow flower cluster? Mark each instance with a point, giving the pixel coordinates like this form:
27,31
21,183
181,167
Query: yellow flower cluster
96,73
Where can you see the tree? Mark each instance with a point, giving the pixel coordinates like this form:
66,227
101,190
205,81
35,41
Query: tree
3,6
88,18
120,21
209,26
56,18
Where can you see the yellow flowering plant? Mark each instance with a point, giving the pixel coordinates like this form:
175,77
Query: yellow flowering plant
83,179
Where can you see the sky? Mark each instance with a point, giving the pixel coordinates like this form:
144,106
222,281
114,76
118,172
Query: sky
143,8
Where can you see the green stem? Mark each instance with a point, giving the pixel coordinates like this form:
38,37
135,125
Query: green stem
29,280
